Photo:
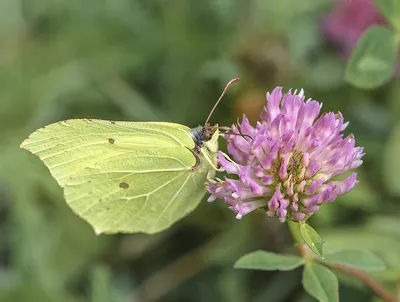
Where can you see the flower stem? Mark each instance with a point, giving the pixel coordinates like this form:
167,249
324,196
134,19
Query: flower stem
302,248
294,228
370,282
375,286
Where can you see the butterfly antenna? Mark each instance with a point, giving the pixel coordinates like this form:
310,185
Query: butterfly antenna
222,94
230,133
240,134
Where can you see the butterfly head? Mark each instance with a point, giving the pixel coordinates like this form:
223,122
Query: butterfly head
203,134
207,132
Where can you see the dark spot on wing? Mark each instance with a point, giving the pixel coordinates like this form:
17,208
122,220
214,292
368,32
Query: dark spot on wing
123,185
111,140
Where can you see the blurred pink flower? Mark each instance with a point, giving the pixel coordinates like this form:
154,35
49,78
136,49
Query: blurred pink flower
285,164
348,20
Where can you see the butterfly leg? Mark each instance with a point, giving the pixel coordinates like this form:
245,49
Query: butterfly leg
210,161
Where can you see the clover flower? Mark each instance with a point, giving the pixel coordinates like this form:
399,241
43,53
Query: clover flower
285,164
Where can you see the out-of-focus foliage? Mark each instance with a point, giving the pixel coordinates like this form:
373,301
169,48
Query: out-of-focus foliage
168,61
374,60
367,32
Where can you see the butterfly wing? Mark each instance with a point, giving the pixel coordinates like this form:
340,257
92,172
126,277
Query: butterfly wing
123,176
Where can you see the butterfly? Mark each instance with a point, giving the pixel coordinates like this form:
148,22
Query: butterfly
129,177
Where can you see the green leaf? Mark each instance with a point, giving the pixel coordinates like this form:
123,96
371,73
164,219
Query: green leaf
373,60
267,261
388,276
312,238
384,245
391,10
386,224
320,282
391,162
361,259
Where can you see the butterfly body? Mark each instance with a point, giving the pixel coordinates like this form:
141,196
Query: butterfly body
128,176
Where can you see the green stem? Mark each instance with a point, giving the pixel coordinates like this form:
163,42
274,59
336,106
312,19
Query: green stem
294,228
302,248
375,286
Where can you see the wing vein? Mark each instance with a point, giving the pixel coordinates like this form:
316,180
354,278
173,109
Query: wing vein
147,131
172,200
122,154
128,199
148,195
124,176
30,141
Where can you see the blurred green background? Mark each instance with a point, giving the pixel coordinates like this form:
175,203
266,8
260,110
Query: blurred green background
142,60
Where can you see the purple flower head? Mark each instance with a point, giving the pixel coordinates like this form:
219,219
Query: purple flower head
285,163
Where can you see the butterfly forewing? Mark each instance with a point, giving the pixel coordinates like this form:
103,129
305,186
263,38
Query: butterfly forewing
123,176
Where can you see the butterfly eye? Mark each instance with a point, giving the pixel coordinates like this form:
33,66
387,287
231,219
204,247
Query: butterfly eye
205,134
208,133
